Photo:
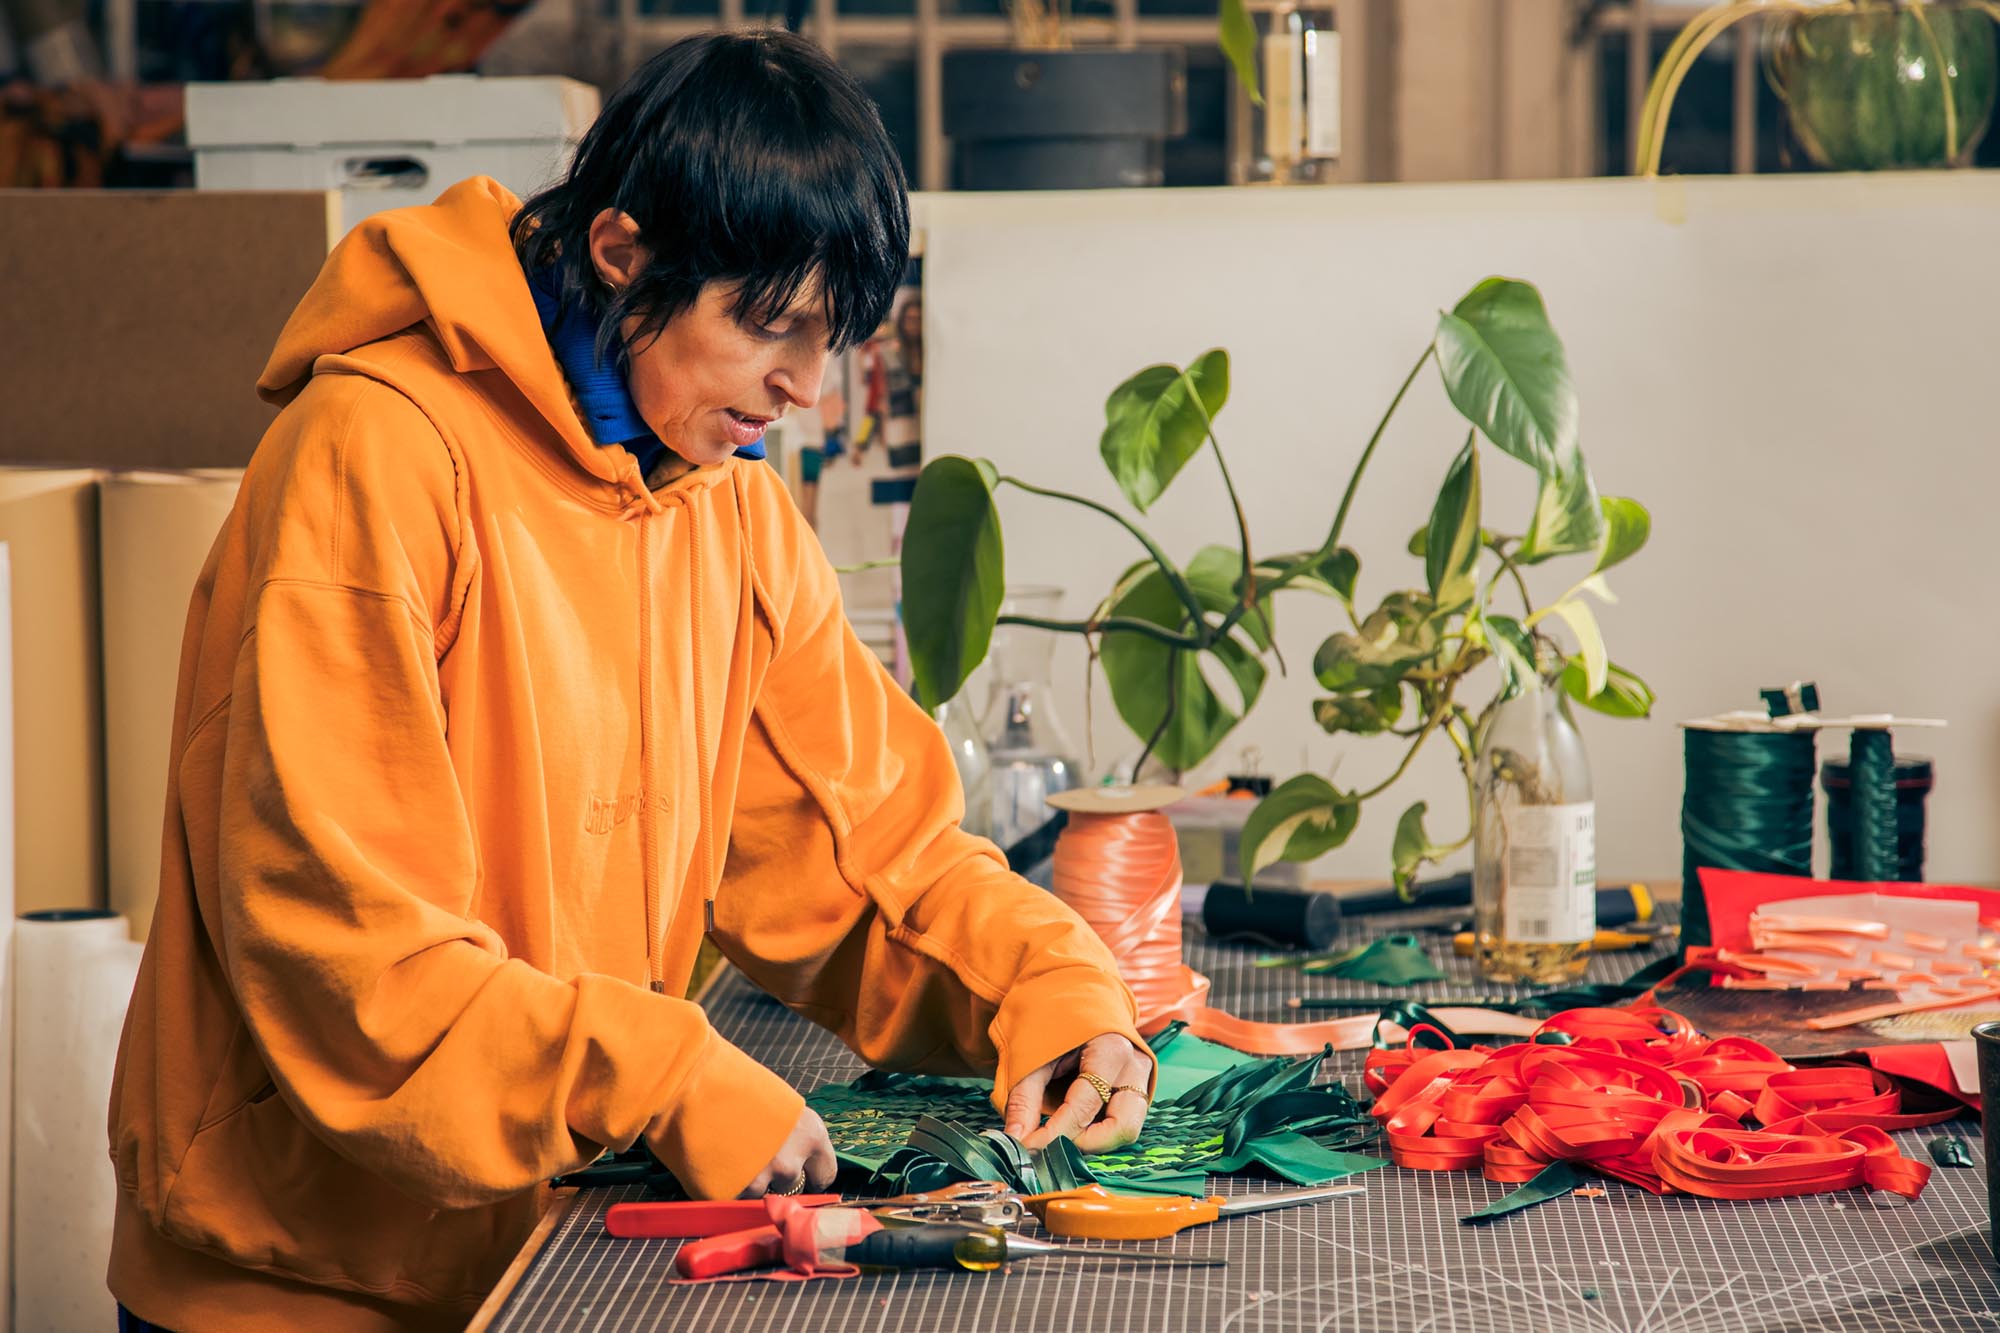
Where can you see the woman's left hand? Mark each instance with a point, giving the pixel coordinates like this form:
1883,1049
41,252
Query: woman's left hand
1083,1114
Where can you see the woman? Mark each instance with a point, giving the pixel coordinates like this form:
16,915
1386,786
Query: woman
506,682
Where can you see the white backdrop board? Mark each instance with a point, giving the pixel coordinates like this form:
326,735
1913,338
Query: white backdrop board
1796,374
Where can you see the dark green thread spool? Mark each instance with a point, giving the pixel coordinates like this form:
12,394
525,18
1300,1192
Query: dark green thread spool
1910,787
1748,806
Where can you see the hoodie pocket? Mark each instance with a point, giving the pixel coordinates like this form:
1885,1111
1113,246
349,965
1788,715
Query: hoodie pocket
261,1189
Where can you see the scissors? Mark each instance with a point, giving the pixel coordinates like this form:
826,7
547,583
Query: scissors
984,1203
1091,1213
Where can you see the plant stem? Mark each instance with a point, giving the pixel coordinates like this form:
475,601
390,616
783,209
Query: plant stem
1166,717
1463,744
1110,625
1437,715
1468,764
1204,633
887,562
1246,599
1246,595
1507,566
1332,542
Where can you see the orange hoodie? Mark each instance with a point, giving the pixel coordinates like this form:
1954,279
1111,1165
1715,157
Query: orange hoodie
471,727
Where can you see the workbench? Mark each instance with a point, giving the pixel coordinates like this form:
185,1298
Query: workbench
1396,1258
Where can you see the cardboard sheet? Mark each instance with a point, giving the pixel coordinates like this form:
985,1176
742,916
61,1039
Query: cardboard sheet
146,319
155,533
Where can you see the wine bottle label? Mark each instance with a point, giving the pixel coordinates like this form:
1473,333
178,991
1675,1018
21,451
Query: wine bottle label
1323,94
1551,869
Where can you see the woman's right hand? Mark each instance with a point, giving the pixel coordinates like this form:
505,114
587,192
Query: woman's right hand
803,1164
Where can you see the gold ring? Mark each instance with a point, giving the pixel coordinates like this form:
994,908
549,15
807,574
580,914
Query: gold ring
1140,1093
1099,1086
798,1183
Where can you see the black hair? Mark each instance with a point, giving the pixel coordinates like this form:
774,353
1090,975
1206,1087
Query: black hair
744,157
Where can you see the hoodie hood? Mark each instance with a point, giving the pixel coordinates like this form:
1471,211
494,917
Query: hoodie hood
451,267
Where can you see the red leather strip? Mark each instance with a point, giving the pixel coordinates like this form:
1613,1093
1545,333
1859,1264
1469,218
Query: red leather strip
1640,1095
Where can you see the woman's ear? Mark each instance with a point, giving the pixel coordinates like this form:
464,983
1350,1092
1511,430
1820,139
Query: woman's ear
615,251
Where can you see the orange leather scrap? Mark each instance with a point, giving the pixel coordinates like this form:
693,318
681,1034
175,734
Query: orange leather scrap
1641,1096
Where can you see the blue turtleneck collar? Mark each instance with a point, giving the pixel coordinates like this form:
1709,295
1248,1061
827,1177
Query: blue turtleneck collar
608,410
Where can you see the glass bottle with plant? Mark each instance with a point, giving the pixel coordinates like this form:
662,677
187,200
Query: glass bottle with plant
1866,84
1402,671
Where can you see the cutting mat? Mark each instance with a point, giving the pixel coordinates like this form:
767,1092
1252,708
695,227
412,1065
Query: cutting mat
1398,1258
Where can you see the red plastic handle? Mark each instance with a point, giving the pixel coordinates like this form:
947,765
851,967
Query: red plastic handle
760,1247
684,1219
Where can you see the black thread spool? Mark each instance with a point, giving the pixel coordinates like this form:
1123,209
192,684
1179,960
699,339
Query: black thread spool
1915,777
1282,917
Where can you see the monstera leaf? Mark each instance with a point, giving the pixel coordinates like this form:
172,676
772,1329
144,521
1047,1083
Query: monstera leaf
1155,421
1148,677
953,574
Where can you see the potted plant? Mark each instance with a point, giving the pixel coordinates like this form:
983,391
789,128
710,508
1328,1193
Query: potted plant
1866,84
1046,115
1408,669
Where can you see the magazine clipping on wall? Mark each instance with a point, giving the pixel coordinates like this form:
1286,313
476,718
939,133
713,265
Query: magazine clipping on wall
852,462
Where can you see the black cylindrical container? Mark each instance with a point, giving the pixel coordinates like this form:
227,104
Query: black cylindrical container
1302,918
1914,780
1987,1036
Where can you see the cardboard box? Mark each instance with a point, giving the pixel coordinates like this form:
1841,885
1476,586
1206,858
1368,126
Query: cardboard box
139,322
387,143
156,530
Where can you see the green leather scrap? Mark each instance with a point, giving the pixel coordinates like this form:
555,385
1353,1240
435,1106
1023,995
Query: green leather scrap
916,1132
1391,960
1551,1182
1187,1061
1950,1152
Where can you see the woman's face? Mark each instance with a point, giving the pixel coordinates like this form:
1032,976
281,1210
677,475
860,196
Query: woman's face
910,321
708,383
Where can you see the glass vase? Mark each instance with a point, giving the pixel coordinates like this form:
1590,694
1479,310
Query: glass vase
1534,847
1030,750
975,765
1884,84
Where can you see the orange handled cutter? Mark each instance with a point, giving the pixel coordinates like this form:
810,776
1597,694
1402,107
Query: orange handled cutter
1092,1213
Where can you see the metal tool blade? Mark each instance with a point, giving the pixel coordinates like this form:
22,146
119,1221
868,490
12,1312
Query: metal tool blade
1019,1247
1262,1203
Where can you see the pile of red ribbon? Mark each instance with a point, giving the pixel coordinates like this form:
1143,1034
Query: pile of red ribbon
1640,1095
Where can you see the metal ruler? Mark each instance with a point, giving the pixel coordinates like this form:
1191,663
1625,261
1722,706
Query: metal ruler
1396,1258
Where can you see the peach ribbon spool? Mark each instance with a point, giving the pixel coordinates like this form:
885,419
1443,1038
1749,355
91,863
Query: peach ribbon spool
1118,866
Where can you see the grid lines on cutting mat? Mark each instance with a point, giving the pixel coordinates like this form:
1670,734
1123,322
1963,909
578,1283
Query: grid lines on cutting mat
1397,1258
